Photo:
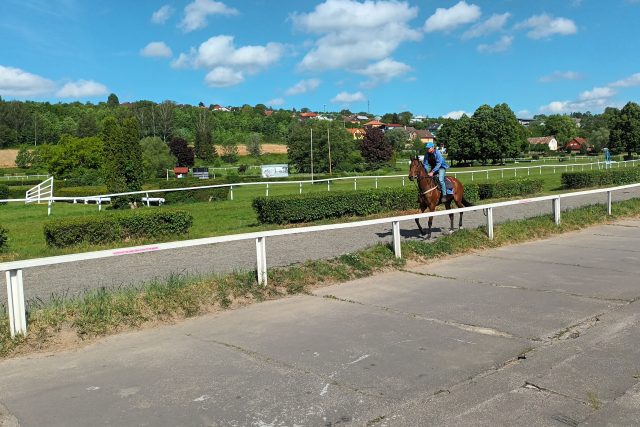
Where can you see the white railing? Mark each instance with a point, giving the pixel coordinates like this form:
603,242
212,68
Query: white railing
41,193
15,287
21,177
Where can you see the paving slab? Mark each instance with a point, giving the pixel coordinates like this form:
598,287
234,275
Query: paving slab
589,282
166,377
624,412
519,312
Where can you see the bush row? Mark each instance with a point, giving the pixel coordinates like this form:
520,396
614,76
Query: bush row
316,206
596,178
19,182
190,196
116,226
3,238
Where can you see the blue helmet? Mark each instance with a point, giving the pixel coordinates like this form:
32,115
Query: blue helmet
429,145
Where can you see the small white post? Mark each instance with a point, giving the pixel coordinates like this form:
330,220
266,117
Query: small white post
148,201
49,208
540,170
556,210
487,175
267,192
490,223
99,204
609,197
454,175
261,261
231,192
471,176
376,183
167,174
328,185
301,188
15,296
528,171
396,239
502,173
355,183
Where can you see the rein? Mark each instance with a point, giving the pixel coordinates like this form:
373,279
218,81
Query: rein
418,178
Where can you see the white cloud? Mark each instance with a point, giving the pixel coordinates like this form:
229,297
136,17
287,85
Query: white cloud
523,114
82,89
383,71
447,19
303,86
597,93
227,63
196,12
353,33
561,75
500,46
348,98
491,25
161,15
156,50
455,114
16,82
545,26
276,102
633,80
223,77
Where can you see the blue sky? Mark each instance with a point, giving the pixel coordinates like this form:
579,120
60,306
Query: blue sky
433,58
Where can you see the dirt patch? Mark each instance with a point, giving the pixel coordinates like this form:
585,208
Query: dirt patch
8,158
266,149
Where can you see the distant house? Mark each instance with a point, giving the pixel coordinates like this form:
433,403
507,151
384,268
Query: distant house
434,128
219,108
411,131
357,133
374,124
268,113
417,119
393,126
549,141
307,116
525,122
181,171
425,136
575,145
362,118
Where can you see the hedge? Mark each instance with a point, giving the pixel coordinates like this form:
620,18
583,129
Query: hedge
4,192
191,196
18,182
599,178
116,226
510,188
317,206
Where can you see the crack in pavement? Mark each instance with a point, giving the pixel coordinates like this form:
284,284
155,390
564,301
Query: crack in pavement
549,262
601,249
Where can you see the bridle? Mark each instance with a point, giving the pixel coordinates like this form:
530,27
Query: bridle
417,179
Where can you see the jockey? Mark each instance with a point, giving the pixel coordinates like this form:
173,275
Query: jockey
435,163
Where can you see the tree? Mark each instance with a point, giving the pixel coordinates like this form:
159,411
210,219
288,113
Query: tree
599,139
72,156
344,156
509,134
122,159
397,138
375,150
183,153
625,133
156,157
562,127
483,126
229,150
204,148
164,117
253,143
112,100
24,158
459,139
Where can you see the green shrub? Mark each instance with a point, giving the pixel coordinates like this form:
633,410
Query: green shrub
3,238
20,182
116,226
192,196
79,191
4,192
510,188
597,178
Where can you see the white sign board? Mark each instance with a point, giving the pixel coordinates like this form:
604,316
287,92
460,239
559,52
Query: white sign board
275,171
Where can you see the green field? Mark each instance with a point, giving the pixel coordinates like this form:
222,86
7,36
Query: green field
25,222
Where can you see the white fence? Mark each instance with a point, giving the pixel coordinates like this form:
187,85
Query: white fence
15,287
40,193
21,177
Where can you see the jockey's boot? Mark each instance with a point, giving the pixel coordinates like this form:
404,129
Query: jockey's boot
443,199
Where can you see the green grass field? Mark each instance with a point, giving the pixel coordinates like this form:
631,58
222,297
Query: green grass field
25,222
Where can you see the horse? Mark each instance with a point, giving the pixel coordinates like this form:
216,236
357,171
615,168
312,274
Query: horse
429,194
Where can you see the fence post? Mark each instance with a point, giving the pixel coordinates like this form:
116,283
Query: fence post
556,210
396,239
355,183
609,197
49,207
471,176
328,185
490,223
261,261
502,173
376,183
231,192
487,175
148,201
540,170
300,187
454,175
267,193
528,171
15,297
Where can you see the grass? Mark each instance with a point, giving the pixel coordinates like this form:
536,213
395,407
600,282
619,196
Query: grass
107,311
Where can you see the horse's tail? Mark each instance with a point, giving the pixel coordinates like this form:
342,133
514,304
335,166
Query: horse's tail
466,203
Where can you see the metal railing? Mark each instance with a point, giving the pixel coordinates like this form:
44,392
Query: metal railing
15,286
21,177
41,193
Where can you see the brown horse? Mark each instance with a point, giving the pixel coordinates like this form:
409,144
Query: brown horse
429,194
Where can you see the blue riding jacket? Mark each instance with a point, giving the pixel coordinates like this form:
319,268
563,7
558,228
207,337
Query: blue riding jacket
440,162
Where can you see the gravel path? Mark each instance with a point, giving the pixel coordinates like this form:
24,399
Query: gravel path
72,278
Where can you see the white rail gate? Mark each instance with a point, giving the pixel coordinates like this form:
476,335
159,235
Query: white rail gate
42,192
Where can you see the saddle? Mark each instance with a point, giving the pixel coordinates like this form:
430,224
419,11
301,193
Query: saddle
447,182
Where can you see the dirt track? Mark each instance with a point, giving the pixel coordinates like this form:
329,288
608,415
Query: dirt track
8,158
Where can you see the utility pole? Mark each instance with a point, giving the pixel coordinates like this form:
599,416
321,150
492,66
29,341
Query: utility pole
329,142
312,154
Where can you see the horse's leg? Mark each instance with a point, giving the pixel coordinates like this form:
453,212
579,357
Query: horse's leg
448,206
422,209
432,207
460,205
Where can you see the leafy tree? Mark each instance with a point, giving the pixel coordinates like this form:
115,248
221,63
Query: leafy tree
599,139
375,150
483,126
112,100
253,143
71,155
25,157
562,127
459,139
156,157
122,159
625,133
344,156
397,138
229,150
182,152
8,136
509,134
204,148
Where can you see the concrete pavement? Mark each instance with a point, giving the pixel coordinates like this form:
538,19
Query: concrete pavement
544,333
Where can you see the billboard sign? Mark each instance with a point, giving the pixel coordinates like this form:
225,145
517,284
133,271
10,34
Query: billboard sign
275,171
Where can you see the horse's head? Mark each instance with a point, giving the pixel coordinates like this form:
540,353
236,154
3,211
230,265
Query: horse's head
415,168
